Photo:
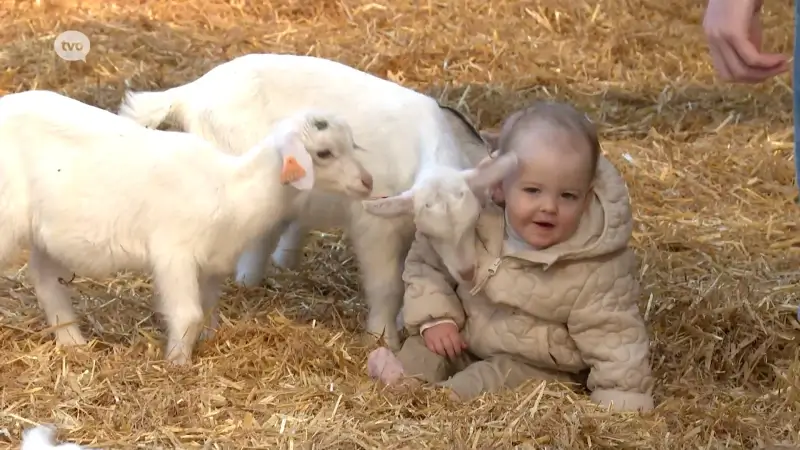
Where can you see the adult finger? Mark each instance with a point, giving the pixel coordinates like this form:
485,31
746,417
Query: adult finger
739,69
719,61
751,56
769,73
756,38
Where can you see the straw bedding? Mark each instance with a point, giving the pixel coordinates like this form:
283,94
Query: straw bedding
709,168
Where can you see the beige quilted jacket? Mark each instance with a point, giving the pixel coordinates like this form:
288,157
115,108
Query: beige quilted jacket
570,307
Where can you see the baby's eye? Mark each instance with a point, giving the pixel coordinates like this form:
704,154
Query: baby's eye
570,196
531,190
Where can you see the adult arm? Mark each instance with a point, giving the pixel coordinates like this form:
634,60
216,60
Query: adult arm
734,33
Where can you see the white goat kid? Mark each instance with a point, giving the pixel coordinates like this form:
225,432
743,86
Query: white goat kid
94,193
408,135
445,208
42,437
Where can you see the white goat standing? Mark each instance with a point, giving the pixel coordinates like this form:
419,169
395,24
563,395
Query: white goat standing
95,193
412,141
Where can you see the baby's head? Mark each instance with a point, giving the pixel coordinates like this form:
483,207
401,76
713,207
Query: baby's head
557,148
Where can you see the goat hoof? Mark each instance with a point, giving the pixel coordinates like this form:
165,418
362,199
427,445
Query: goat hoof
207,334
248,280
70,337
178,356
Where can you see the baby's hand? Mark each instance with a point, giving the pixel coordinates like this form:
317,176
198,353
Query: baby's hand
444,339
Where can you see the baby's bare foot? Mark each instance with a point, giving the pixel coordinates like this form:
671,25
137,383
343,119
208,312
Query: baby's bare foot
383,365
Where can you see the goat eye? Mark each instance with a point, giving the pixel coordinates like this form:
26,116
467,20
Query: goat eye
324,154
427,205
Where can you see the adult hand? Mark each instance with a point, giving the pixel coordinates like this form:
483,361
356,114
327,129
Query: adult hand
733,29
444,339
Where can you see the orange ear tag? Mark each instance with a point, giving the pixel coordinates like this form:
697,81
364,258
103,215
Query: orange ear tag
298,169
292,170
298,166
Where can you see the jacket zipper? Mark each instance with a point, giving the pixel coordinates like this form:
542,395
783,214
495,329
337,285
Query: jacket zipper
492,270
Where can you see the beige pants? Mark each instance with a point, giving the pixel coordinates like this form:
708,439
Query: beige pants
466,376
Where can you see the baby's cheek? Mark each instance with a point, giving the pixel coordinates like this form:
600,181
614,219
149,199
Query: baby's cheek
520,205
572,220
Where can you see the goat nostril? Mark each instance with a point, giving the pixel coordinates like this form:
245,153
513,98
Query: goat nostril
467,274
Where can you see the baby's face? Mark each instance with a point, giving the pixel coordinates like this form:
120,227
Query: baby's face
547,196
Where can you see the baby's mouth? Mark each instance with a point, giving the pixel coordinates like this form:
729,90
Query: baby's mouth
543,224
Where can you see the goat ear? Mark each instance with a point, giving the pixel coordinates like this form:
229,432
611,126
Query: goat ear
393,206
487,175
492,138
487,160
298,166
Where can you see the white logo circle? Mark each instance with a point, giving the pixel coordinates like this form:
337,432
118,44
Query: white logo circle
72,45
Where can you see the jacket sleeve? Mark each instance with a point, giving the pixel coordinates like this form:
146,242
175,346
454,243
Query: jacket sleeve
610,333
430,290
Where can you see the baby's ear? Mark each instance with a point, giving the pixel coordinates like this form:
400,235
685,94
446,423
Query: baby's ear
498,195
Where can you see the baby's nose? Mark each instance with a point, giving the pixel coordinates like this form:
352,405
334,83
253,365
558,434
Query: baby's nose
549,205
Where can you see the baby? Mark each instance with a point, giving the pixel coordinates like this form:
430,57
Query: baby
555,292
